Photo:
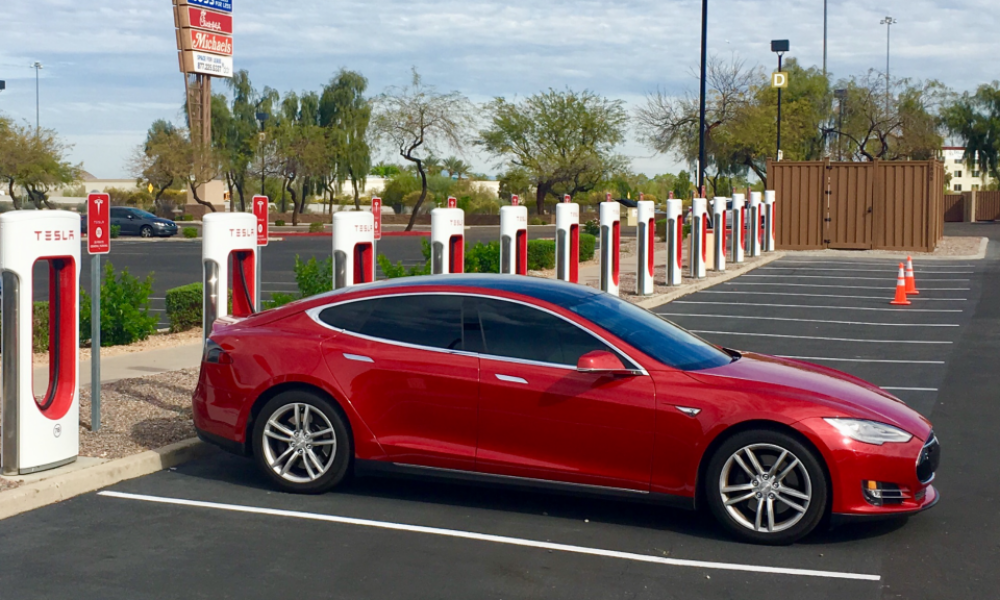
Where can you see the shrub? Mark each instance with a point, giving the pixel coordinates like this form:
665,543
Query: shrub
190,232
687,230
125,317
537,221
592,227
184,307
40,327
187,218
483,258
588,246
316,228
541,254
278,299
313,277
661,229
395,271
116,230
279,223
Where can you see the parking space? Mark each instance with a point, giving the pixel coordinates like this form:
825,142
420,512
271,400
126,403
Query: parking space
837,313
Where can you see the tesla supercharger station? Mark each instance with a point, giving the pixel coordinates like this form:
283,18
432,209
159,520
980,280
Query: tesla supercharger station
646,248
447,240
739,224
40,433
753,225
719,221
229,258
675,241
568,241
769,221
353,248
611,238
699,235
514,240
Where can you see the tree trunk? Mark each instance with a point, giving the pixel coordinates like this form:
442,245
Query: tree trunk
354,184
239,190
194,194
13,198
540,194
423,193
295,202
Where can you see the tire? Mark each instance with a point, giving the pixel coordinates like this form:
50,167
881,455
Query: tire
797,502
146,231
281,450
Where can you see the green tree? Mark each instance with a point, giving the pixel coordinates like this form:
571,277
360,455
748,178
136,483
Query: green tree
456,167
303,148
346,115
565,140
162,160
975,119
385,170
416,119
34,160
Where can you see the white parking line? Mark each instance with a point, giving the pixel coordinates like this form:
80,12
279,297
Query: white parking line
866,360
874,263
850,278
912,310
846,287
825,339
832,296
809,320
885,270
496,539
907,389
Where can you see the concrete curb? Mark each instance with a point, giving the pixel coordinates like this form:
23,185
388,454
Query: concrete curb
887,255
660,300
63,487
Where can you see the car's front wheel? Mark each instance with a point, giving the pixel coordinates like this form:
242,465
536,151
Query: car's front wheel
146,231
301,442
766,487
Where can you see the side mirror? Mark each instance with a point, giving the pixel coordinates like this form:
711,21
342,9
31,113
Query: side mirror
603,363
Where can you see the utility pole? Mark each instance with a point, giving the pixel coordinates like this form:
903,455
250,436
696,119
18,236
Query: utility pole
888,22
824,38
37,66
701,120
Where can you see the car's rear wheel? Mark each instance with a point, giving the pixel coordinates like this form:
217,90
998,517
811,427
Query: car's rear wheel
302,443
146,231
766,487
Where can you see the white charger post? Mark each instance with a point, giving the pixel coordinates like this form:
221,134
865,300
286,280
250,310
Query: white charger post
719,223
769,215
699,235
447,240
514,240
753,222
353,248
229,260
646,248
739,224
675,241
40,433
568,241
611,236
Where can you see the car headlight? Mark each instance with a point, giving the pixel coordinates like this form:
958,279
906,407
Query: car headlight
870,432
159,224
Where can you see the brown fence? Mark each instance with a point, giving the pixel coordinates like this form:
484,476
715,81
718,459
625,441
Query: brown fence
988,206
954,208
859,206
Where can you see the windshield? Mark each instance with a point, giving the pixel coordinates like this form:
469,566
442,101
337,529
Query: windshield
651,334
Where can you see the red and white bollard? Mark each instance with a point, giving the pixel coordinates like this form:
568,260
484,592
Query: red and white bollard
739,224
353,249
699,235
646,248
447,240
514,240
611,236
675,241
754,236
568,241
719,223
768,219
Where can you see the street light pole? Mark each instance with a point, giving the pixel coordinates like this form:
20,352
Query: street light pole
779,47
701,119
888,22
37,66
824,38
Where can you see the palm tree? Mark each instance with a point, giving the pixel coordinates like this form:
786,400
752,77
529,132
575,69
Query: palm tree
432,165
456,167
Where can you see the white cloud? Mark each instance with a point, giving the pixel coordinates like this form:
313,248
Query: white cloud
111,67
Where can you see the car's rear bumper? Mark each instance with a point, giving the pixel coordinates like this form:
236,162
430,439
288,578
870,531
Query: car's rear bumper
223,443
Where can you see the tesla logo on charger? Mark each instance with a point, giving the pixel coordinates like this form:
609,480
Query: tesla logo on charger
363,228
242,233
55,236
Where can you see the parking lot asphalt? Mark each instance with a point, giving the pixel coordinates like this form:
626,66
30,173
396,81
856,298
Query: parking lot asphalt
214,528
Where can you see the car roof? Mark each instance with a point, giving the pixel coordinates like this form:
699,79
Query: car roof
549,290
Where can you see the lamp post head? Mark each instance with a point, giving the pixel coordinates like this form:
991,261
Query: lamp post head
779,46
888,21
36,65
3,85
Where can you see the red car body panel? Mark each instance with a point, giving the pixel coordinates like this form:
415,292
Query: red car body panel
451,411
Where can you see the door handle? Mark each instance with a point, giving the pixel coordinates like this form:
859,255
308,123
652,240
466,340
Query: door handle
510,379
359,358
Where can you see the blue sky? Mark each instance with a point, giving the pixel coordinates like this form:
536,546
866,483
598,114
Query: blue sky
110,68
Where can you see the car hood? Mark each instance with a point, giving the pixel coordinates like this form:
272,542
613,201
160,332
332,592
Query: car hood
846,394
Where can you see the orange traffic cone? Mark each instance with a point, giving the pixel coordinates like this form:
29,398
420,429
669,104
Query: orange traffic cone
900,299
911,282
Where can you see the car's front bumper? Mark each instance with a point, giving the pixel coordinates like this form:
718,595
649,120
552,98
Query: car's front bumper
851,464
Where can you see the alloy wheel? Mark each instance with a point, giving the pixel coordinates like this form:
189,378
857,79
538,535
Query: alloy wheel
765,488
146,232
299,443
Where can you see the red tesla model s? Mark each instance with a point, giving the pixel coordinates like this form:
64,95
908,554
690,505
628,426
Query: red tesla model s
540,383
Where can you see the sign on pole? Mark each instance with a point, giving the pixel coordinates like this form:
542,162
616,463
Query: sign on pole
225,6
515,200
98,224
377,212
779,79
452,202
261,204
189,17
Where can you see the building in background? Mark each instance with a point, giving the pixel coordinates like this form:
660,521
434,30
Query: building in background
964,177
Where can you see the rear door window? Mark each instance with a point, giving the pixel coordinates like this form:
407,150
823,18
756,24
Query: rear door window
433,321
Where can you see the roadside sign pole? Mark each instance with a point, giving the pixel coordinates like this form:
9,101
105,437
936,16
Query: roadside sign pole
95,342
261,208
